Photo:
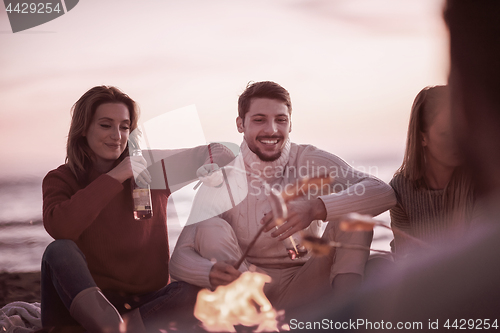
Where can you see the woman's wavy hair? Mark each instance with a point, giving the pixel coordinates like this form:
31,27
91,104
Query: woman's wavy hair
79,156
458,193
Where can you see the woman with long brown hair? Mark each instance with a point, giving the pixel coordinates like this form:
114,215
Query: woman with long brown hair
105,268
435,196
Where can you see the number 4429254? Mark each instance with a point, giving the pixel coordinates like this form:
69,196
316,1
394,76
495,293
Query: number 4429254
32,8
478,324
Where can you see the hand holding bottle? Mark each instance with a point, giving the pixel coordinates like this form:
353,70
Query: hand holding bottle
140,171
131,166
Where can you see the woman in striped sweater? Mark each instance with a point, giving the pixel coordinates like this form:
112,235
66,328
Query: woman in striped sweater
435,197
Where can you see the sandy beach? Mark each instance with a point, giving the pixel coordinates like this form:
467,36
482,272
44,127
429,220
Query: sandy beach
19,287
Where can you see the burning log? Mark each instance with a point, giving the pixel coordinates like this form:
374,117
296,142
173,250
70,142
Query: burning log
241,302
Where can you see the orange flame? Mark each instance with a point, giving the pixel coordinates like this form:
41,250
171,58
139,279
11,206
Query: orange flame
241,302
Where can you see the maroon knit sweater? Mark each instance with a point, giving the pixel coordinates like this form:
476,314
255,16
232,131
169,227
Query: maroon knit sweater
123,254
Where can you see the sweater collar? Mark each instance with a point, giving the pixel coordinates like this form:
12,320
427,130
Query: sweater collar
267,170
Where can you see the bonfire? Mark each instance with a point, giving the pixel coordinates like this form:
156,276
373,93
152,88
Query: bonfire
241,302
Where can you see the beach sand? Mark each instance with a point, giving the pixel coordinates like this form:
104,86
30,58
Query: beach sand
19,287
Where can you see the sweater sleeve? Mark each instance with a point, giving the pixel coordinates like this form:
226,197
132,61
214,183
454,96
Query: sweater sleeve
399,220
178,167
352,190
186,263
68,210
348,260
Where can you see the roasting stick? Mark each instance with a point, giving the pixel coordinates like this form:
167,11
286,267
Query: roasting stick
252,243
278,202
354,222
320,246
358,222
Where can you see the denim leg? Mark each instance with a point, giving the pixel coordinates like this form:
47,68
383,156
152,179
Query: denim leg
171,308
64,275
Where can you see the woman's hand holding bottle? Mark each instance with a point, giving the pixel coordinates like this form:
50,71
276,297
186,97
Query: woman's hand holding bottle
132,166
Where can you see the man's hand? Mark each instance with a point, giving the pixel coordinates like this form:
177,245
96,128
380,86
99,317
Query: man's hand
300,215
222,273
210,175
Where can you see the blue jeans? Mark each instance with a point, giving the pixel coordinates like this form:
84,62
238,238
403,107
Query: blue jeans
65,273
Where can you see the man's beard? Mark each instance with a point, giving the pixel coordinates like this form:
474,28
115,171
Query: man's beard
268,158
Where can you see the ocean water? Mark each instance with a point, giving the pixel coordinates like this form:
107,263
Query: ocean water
23,238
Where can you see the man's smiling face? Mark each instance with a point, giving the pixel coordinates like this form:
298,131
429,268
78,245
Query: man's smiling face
266,127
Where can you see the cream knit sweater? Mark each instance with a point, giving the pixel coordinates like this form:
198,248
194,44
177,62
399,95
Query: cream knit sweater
245,205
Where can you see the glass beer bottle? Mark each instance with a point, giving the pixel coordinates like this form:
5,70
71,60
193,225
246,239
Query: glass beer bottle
141,194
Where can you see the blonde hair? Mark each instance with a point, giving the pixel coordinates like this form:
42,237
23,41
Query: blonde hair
79,156
458,193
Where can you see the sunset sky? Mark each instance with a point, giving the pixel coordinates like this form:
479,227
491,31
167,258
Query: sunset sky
352,68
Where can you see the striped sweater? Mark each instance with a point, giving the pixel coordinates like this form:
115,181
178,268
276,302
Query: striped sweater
422,213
